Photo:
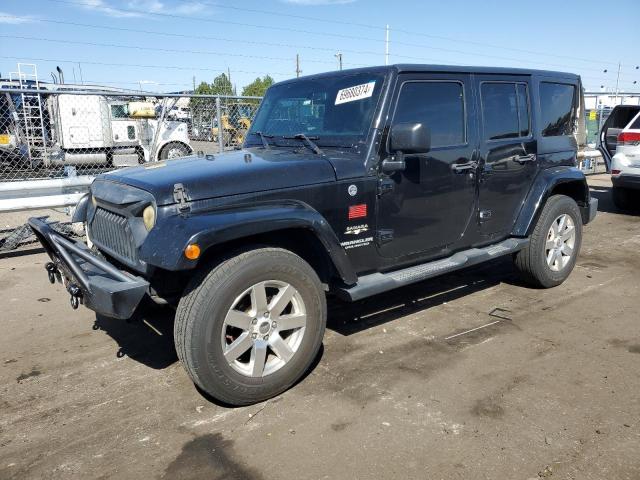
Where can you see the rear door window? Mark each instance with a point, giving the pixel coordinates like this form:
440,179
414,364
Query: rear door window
557,102
505,110
439,105
635,124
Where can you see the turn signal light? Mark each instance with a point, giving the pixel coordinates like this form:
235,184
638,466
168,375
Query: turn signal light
192,252
615,172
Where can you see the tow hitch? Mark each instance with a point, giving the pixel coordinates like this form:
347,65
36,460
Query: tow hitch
76,295
52,271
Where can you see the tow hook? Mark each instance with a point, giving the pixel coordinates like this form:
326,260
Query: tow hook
76,295
52,271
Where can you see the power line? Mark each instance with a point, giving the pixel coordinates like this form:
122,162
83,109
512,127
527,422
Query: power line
395,30
203,37
134,65
406,32
156,49
355,37
184,35
214,20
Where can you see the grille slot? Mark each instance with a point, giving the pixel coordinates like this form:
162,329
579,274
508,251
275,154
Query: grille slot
111,230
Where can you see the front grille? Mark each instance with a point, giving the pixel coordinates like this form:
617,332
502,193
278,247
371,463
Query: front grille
112,231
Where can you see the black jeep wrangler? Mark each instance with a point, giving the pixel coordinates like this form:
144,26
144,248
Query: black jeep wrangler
351,183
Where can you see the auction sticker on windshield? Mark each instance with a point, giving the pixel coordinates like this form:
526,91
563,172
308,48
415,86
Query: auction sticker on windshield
357,92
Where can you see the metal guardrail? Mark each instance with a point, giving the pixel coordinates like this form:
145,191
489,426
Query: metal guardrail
36,194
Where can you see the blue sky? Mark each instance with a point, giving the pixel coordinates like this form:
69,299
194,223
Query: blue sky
162,44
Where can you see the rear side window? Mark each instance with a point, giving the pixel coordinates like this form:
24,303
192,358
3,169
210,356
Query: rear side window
505,110
439,105
635,125
556,105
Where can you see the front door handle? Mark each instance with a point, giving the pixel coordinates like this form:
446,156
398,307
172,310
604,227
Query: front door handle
522,159
463,167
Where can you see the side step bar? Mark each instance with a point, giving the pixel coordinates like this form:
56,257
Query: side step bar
375,283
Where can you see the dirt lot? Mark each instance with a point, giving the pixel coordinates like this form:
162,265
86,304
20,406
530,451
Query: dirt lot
549,390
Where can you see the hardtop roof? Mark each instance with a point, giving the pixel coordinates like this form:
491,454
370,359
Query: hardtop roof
428,68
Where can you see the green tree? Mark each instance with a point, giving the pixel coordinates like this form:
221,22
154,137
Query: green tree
203,89
258,87
221,85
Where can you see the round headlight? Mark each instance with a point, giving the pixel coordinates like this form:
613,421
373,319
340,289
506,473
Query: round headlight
149,217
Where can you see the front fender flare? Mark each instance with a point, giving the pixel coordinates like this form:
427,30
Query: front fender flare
542,188
80,212
165,244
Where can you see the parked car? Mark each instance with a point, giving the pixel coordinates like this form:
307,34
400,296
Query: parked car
625,166
618,119
354,183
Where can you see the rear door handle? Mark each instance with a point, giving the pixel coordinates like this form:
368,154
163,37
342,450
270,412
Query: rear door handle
463,167
522,159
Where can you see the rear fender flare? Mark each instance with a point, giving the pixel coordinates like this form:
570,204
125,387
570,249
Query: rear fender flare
547,183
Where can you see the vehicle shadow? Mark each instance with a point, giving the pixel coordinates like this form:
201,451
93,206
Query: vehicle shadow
605,201
146,338
347,318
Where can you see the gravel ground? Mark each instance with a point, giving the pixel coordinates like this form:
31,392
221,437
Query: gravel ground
548,390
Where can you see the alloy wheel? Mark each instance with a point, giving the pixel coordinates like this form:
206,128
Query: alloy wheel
560,242
264,328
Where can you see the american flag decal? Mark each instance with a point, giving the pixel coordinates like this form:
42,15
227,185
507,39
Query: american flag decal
357,211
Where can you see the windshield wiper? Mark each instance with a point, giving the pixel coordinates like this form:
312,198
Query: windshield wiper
309,141
263,137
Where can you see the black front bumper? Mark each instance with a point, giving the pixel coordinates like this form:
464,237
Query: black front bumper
89,279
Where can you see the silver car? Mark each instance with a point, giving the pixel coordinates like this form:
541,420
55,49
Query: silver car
625,165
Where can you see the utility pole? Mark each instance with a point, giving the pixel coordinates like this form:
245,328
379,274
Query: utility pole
615,102
80,68
298,71
386,46
194,84
339,57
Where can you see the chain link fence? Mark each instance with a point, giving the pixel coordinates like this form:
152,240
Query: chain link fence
54,140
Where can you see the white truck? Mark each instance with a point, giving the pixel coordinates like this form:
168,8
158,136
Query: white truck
99,129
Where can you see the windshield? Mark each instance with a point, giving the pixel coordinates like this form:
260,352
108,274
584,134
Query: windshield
335,110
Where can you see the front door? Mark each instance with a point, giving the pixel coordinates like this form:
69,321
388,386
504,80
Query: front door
426,208
508,162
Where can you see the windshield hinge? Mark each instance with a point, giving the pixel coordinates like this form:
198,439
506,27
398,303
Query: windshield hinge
385,185
384,236
180,197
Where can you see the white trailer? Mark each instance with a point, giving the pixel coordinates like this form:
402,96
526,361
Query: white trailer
100,129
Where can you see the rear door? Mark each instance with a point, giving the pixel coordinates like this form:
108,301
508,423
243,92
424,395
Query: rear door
508,151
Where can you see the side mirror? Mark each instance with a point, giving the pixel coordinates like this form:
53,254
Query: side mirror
406,138
410,138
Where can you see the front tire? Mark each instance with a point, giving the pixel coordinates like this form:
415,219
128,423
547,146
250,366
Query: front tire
554,245
249,328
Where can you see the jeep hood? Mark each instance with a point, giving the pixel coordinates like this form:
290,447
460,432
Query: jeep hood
229,173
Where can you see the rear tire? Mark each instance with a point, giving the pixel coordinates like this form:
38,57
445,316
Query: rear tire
622,198
554,245
250,327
